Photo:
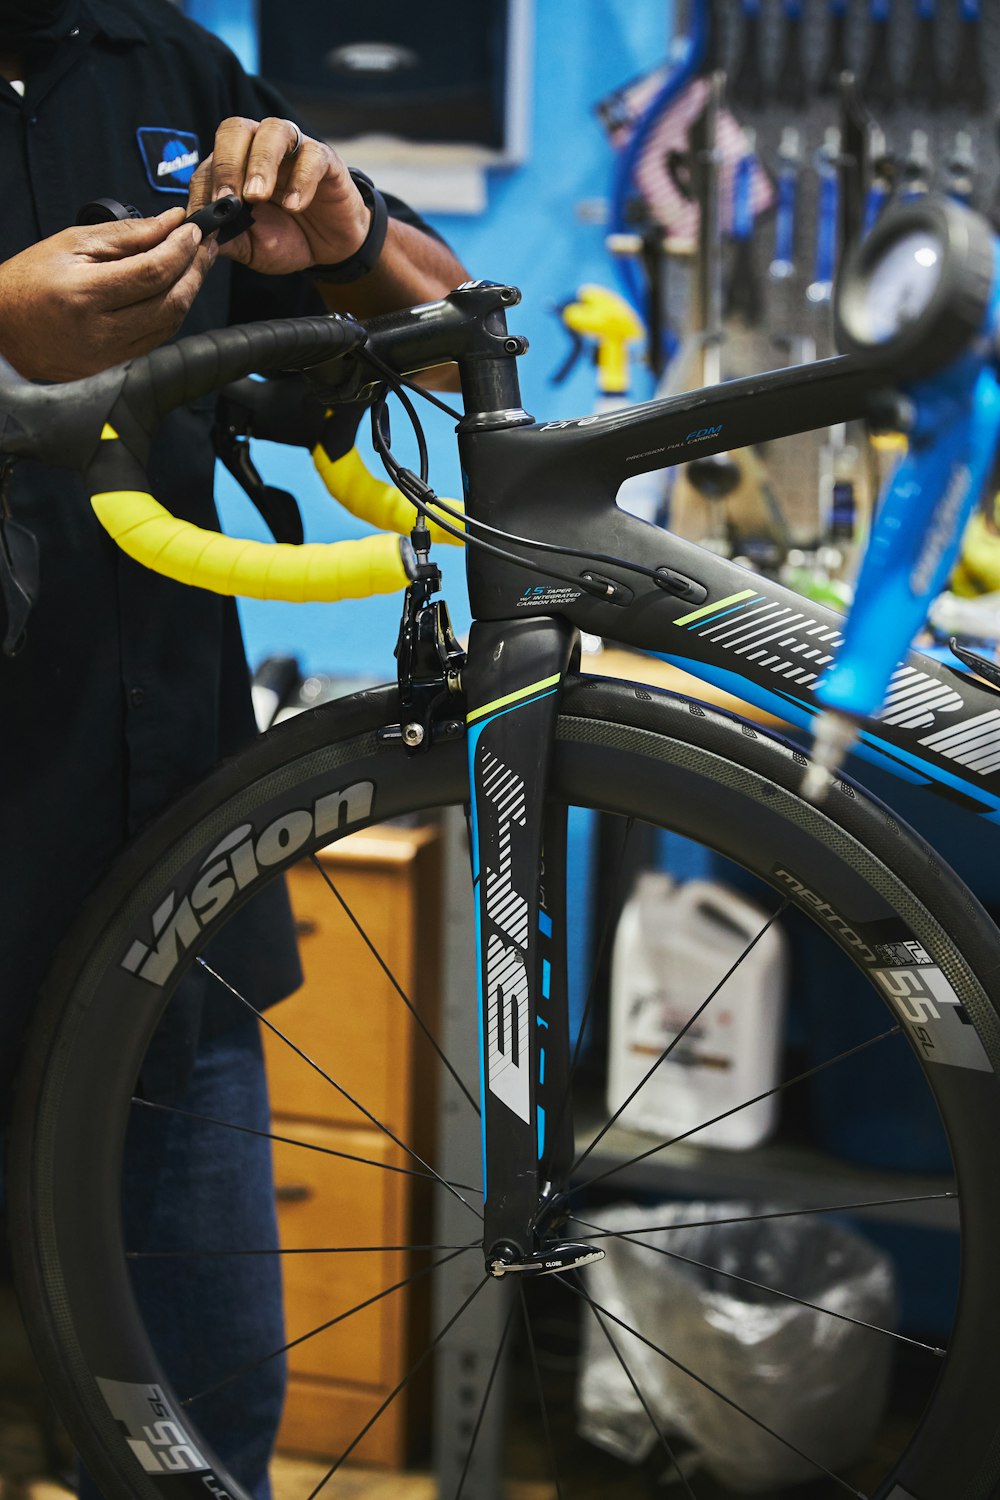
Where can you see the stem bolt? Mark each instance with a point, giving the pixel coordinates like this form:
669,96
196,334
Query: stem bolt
413,734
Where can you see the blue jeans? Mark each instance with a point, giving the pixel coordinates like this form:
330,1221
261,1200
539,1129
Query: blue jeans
190,1185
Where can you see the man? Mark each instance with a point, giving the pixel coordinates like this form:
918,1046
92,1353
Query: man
128,686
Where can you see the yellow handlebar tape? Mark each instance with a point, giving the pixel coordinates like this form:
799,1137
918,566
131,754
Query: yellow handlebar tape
316,571
373,500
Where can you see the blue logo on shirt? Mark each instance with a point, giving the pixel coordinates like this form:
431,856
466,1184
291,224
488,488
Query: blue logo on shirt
169,156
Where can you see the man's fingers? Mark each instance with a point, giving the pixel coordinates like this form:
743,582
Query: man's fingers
273,141
200,186
233,141
150,273
308,169
142,326
126,237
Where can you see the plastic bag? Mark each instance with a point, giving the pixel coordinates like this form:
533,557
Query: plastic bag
820,1382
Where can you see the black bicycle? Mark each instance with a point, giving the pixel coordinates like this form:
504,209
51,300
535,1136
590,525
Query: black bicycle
511,731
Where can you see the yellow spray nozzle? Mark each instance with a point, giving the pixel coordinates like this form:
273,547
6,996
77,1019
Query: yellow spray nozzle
604,316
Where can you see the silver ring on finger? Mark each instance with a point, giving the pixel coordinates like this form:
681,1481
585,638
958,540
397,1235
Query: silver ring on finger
293,150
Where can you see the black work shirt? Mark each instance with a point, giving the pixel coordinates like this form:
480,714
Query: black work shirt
129,685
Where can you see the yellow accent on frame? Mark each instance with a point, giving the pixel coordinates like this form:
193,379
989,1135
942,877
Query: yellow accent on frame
526,692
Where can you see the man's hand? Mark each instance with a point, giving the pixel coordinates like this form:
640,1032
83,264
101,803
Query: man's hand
88,298
307,210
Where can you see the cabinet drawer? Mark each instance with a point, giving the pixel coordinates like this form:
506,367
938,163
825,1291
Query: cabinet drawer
325,1202
322,1419
348,1017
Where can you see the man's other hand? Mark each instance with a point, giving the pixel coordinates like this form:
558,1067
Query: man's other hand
90,297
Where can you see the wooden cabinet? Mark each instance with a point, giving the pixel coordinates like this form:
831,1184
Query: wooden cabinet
349,1020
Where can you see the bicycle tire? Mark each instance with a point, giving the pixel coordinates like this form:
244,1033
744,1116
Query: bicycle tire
620,749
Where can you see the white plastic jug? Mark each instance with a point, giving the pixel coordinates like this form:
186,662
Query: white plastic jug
674,945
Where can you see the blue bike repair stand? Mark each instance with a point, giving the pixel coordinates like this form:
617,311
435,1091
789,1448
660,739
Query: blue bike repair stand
953,432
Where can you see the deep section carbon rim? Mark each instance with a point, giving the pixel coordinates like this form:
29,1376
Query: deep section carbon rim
630,754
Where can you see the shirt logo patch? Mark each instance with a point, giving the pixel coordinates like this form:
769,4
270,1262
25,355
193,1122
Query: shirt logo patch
169,156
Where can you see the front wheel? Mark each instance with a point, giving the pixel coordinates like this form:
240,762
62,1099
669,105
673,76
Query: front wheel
923,950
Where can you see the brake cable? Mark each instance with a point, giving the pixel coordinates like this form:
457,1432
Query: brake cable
432,507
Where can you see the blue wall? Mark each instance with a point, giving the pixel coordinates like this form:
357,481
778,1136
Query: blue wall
530,235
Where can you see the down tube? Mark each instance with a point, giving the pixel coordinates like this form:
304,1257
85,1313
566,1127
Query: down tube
512,686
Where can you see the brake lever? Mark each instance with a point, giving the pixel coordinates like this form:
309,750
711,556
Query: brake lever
235,422
278,508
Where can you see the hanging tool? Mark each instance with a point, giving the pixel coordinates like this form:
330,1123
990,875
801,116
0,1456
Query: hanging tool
789,165
917,168
748,81
836,47
707,312
960,169
612,323
743,295
925,83
790,87
879,86
717,476
715,48
968,84
797,348
881,177
700,361
820,289
855,122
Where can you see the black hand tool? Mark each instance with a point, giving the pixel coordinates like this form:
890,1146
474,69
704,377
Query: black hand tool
743,295
790,87
925,84
968,84
748,81
836,47
879,87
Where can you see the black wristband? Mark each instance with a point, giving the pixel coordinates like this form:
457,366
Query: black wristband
364,258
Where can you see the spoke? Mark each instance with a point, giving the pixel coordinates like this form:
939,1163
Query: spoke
632,1382
485,1401
607,931
376,955
778,1089
814,1463
395,1392
784,1213
287,1140
339,1087
540,1392
774,1292
303,1338
293,1250
682,1033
